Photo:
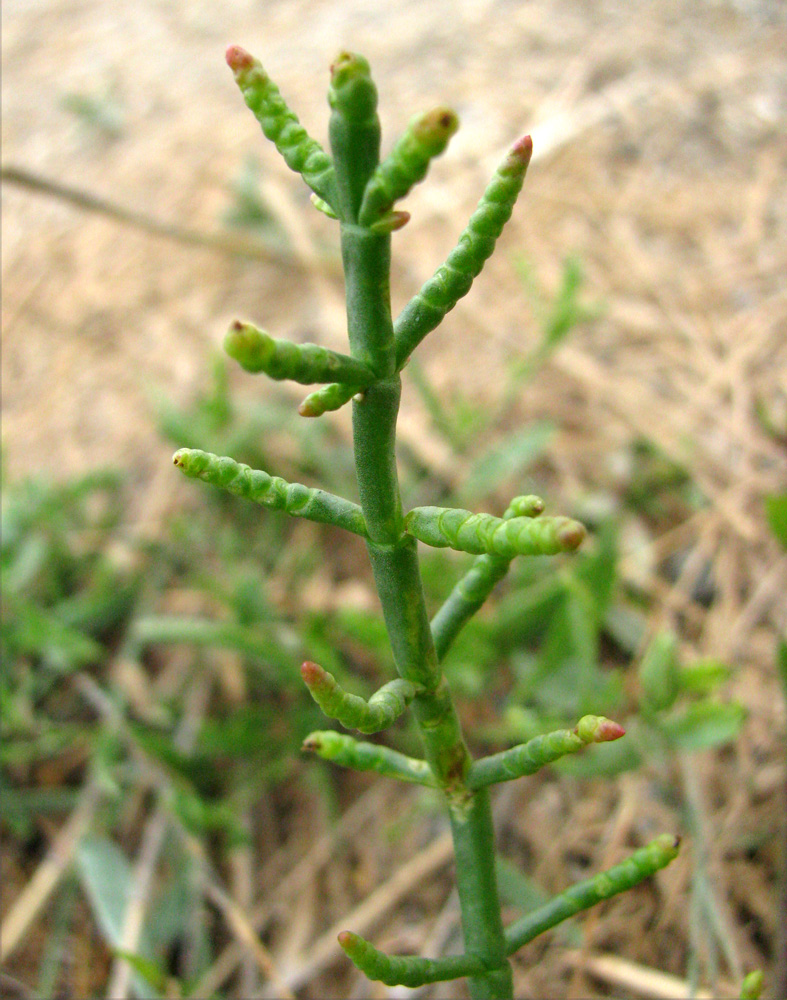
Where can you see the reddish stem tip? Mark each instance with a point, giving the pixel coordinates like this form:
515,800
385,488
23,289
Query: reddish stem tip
312,673
572,535
609,730
346,939
238,58
236,325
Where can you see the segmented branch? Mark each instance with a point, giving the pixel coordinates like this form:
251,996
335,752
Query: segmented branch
406,970
301,153
477,584
380,711
354,130
446,527
527,758
329,397
255,351
641,865
349,752
271,491
426,136
454,278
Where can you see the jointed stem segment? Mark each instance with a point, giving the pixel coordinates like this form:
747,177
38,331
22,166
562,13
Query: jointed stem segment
360,756
360,192
379,712
527,758
271,491
411,970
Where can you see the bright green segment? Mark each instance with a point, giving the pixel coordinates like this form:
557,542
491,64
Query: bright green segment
255,351
379,712
527,758
405,970
301,153
641,865
453,279
270,491
349,752
425,137
446,527
354,130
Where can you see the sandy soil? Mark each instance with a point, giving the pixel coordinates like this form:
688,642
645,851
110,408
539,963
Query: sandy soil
661,158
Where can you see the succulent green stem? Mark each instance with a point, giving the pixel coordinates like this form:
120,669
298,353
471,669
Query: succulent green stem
255,351
641,865
527,758
477,584
379,712
270,491
349,752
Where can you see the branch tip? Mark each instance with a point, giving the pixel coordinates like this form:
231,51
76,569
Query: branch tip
597,729
312,673
238,59
571,535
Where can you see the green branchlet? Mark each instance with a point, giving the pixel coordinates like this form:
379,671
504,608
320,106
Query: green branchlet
477,584
635,869
301,153
446,527
454,278
255,351
426,136
380,711
329,397
361,192
406,970
413,971
361,756
354,130
527,758
270,491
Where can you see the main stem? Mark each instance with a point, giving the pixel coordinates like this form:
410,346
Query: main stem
397,577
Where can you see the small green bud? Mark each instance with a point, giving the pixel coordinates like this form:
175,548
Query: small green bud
597,729
352,92
322,206
328,398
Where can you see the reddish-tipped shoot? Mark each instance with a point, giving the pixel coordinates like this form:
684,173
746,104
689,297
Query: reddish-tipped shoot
597,729
238,59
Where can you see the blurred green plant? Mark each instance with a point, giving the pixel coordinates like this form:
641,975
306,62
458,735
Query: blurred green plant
356,187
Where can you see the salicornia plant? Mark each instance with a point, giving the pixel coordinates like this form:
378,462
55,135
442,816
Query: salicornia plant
356,187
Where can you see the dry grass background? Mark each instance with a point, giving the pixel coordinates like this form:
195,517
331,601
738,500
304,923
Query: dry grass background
661,160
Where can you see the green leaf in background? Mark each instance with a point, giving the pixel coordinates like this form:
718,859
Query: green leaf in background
658,673
704,724
507,460
776,512
703,676
108,882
